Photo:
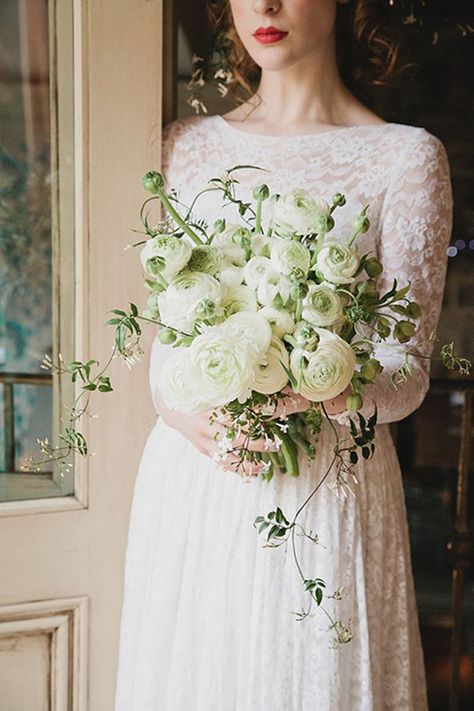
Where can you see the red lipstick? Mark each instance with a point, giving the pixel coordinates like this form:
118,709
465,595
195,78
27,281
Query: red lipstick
267,35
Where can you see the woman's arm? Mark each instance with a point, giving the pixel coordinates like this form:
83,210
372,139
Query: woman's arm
416,228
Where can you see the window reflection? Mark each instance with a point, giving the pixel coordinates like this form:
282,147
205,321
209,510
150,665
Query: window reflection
26,251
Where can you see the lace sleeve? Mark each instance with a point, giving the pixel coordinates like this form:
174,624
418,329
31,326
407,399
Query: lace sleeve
416,228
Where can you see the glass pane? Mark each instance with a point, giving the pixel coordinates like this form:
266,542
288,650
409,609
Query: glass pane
26,248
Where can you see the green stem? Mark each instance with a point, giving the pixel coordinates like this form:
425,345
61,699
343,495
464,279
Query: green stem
178,219
299,308
275,460
258,217
353,236
288,449
319,242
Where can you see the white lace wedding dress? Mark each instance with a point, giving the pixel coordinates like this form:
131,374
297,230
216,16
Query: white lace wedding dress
207,621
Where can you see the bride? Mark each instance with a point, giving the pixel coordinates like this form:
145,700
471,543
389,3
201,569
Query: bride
208,619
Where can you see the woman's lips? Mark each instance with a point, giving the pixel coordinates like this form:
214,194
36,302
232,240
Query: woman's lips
268,35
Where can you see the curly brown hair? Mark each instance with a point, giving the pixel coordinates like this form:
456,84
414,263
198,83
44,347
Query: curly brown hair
368,40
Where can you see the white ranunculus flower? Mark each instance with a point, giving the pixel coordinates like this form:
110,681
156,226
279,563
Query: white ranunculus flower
251,328
172,251
224,367
178,383
322,306
238,298
327,371
261,245
297,212
270,375
206,258
256,269
280,320
152,309
337,262
288,256
230,275
184,295
232,241
273,285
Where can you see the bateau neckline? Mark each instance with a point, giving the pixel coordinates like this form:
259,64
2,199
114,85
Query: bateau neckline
272,136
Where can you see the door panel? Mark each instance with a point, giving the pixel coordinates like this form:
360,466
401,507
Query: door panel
62,556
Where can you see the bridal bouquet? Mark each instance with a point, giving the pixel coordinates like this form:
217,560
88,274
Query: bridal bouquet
256,316
256,313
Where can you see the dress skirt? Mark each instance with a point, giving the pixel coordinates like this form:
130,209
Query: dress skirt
209,619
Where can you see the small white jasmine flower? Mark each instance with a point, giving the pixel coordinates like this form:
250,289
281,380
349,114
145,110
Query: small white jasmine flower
339,593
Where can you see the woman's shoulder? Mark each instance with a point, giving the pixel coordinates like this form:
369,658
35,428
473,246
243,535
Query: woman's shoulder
413,137
183,127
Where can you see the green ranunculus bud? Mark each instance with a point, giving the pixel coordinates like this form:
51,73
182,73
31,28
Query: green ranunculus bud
298,291
367,288
155,264
261,192
354,401
383,327
414,309
153,181
360,223
370,369
373,267
339,200
323,223
306,336
205,309
166,336
219,225
205,258
277,302
403,331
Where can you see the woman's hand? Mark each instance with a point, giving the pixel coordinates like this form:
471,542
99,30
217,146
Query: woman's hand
198,430
338,403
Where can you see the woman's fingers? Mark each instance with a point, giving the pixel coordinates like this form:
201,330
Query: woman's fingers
237,465
293,402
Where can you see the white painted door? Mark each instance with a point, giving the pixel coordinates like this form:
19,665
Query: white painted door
62,539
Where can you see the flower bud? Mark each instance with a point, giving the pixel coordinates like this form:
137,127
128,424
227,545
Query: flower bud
404,330
219,225
370,369
323,223
152,181
156,264
414,309
360,223
261,192
277,301
367,288
373,267
298,291
354,401
166,336
339,200
205,309
306,336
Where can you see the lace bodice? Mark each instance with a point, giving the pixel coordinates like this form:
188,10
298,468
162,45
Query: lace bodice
402,171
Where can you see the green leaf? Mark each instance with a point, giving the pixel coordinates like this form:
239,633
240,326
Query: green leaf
272,531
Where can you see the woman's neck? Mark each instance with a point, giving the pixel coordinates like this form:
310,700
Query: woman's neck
307,96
